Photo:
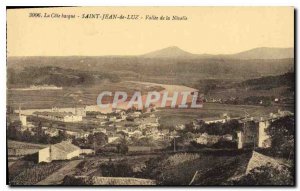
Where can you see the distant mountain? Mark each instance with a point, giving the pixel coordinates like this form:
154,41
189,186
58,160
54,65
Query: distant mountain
169,52
256,53
170,63
265,53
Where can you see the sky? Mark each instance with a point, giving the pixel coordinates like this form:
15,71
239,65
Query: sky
211,30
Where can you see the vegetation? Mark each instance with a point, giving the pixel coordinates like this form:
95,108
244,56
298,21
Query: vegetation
38,136
119,169
282,134
269,82
179,169
229,127
36,173
267,175
55,76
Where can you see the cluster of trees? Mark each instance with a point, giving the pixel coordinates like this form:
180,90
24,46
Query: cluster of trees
56,76
267,175
38,135
229,127
116,169
269,82
282,135
94,141
259,100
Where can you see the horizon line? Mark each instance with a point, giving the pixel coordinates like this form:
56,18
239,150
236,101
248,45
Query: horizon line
138,55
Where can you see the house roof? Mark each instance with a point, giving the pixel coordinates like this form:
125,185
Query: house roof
65,146
55,114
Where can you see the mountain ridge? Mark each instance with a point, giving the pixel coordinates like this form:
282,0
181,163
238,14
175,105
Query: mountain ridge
255,53
174,52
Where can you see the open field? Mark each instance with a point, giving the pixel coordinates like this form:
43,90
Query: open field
19,149
58,176
23,145
70,96
171,117
29,174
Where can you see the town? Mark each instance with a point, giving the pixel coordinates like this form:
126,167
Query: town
133,126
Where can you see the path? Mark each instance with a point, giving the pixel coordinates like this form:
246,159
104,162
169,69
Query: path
58,176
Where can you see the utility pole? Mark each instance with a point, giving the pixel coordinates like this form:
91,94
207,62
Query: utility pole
174,145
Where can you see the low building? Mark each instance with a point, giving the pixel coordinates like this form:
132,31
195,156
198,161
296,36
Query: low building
206,139
52,132
113,139
87,151
227,137
135,114
112,118
101,116
139,149
59,116
60,151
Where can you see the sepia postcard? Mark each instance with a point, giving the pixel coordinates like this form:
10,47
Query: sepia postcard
150,96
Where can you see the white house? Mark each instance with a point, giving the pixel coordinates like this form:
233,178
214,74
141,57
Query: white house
101,116
60,151
59,116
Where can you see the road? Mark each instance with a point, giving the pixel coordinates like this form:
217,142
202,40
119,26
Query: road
58,176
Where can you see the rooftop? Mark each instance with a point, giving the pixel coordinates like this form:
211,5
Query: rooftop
55,114
65,146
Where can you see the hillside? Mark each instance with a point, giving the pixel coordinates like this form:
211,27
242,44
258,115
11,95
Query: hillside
265,53
269,82
168,65
55,76
260,53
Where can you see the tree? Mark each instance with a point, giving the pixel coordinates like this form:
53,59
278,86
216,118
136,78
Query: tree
122,148
13,130
97,139
62,135
26,136
282,134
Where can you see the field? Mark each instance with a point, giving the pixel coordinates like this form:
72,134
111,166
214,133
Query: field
171,117
27,173
180,169
70,96
22,145
18,149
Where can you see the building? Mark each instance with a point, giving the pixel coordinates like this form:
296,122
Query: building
112,118
78,134
206,139
135,114
23,120
52,132
254,130
81,111
262,135
223,119
59,116
60,151
113,139
139,149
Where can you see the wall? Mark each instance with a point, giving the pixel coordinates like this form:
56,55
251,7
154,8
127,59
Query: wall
44,155
262,135
74,154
